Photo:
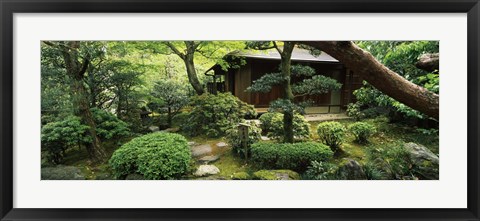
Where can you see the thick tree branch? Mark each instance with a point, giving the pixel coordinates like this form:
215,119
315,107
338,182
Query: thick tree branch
382,78
175,50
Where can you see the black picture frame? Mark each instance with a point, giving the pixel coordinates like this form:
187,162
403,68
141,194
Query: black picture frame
9,7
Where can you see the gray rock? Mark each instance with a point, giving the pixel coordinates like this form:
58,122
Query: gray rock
351,170
62,172
209,159
154,128
191,143
425,163
206,170
200,150
264,138
221,144
171,130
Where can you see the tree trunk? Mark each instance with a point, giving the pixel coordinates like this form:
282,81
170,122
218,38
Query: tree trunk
287,94
382,78
192,74
76,71
169,117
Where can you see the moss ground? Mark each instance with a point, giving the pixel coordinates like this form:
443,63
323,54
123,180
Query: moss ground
229,163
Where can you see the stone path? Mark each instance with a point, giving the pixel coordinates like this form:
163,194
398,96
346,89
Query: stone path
199,150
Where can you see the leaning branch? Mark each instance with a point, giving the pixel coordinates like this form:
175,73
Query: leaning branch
379,76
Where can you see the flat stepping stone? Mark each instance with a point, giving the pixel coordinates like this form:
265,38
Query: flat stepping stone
209,159
221,144
206,170
264,138
200,150
191,143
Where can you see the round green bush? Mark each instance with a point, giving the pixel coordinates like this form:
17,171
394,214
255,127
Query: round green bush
155,156
272,123
331,133
213,115
296,156
362,131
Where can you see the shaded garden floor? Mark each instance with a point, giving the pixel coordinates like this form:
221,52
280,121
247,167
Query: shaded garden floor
229,164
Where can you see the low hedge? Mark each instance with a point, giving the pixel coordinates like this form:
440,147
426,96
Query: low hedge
155,156
296,156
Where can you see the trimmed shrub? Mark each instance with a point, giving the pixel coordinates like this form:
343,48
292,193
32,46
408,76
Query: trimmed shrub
362,131
272,122
233,138
319,170
296,156
108,125
213,115
58,136
155,156
331,133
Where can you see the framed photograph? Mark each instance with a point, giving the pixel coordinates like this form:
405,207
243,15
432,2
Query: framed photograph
200,110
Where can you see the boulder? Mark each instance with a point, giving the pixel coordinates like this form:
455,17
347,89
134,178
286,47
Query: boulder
221,144
206,170
425,163
200,150
154,128
62,172
350,169
276,175
264,138
208,159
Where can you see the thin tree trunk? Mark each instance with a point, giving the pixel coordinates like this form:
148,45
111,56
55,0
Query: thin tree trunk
169,117
382,78
287,94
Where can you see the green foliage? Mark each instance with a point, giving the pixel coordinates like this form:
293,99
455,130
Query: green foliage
373,173
362,131
233,138
316,85
155,156
401,58
213,115
58,136
296,156
353,110
331,133
319,170
168,97
276,175
390,161
273,124
265,83
109,126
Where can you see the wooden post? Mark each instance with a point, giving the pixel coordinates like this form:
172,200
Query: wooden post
243,134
